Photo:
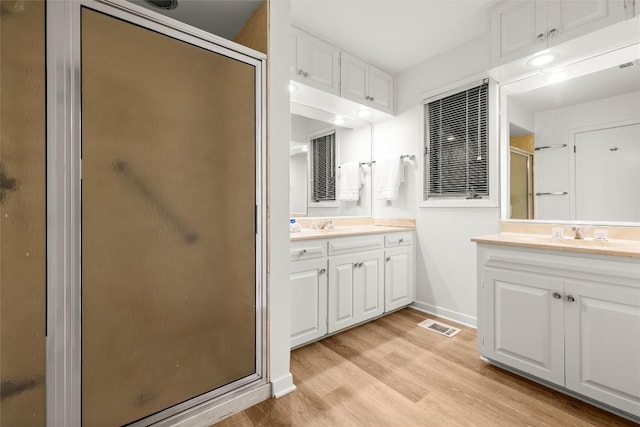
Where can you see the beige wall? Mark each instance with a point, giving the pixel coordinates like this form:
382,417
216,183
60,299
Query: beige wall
254,32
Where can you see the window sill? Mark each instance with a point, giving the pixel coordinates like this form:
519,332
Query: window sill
459,203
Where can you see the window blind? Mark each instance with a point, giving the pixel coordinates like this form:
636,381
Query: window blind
323,165
455,138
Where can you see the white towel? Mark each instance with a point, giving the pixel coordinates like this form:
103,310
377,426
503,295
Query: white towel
388,175
349,182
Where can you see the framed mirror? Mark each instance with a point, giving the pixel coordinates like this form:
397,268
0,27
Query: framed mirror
330,164
570,140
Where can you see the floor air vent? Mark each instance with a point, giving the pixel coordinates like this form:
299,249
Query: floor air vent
441,328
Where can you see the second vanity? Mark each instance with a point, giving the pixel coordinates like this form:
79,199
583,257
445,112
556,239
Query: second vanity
565,312
348,275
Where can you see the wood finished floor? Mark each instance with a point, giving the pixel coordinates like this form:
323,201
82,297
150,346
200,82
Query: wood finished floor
391,372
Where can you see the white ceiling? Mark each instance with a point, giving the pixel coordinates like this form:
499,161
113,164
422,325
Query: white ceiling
392,34
223,18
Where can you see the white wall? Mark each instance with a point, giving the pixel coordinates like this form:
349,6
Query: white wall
279,309
553,168
445,257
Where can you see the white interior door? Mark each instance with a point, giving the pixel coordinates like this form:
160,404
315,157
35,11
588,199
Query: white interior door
607,177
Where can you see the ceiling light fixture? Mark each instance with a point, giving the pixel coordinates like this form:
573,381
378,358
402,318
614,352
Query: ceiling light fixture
164,4
540,60
363,113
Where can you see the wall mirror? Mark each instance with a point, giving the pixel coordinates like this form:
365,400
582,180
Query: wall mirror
330,164
571,142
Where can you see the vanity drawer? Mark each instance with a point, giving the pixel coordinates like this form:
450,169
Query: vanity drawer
398,239
308,249
347,245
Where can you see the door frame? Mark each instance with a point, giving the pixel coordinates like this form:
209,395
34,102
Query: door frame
63,175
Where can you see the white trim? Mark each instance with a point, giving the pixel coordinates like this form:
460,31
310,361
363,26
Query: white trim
215,411
454,316
282,386
493,146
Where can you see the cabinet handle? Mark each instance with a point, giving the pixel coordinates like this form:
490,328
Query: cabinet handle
400,240
540,37
322,271
306,74
556,295
553,32
388,258
303,251
372,99
570,298
300,73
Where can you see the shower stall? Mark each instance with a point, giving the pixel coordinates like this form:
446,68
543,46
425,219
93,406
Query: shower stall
132,216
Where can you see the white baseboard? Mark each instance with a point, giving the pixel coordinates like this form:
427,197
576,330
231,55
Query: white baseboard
454,316
209,413
282,386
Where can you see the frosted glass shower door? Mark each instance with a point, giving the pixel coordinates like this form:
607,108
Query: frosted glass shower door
169,299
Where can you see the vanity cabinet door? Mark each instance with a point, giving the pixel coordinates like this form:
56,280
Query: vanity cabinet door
398,277
356,289
524,322
603,343
317,63
308,300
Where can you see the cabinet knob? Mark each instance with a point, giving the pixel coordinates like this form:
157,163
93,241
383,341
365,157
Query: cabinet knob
372,99
306,74
322,271
400,240
540,37
553,32
388,258
556,295
300,72
303,251
570,298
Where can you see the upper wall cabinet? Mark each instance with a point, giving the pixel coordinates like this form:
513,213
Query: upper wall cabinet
315,62
365,84
520,28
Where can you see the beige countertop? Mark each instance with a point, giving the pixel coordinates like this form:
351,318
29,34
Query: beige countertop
341,231
616,247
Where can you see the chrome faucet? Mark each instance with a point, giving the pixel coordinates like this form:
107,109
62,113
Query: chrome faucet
325,224
578,233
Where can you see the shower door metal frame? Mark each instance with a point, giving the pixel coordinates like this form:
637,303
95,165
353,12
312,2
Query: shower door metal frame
64,174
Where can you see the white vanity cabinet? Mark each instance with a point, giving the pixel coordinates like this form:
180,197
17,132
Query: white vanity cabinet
520,28
308,291
315,62
339,282
356,287
363,83
399,277
570,319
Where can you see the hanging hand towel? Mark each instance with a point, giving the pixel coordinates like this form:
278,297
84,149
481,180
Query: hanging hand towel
349,182
388,175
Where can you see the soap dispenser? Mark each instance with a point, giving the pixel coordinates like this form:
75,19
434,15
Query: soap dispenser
294,227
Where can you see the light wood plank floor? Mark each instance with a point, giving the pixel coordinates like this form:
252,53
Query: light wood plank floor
391,372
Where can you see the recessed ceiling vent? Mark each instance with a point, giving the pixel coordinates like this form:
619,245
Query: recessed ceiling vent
629,64
164,4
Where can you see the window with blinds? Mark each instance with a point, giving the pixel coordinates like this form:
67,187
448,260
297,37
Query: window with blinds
455,138
323,168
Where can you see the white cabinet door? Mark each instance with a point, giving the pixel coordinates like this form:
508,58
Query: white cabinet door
380,90
354,78
317,63
365,84
521,28
518,28
524,322
308,300
356,290
398,277
568,19
602,342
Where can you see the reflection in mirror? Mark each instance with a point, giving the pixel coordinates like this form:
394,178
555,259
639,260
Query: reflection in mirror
330,172
578,142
